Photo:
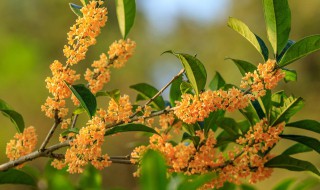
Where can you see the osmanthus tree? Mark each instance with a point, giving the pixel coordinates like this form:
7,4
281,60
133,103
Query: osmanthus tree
213,150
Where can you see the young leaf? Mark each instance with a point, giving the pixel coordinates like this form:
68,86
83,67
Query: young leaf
297,148
195,71
76,9
284,113
300,49
307,124
14,116
175,92
129,127
185,87
153,171
13,176
244,31
243,66
217,82
147,92
291,75
86,98
308,141
293,164
278,20
126,12
284,185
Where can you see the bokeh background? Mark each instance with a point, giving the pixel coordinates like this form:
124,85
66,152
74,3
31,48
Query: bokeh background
33,32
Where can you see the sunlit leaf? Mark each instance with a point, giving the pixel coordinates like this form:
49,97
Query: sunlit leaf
308,141
185,87
278,21
244,66
13,176
300,49
297,148
285,49
126,12
147,92
293,164
195,71
250,114
129,127
14,116
307,124
244,31
175,92
86,98
217,82
290,75
267,103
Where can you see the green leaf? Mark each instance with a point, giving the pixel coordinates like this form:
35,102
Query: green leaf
175,92
291,75
126,12
244,126
14,116
195,139
57,179
76,9
293,164
250,114
307,184
195,71
244,66
185,87
147,92
153,171
228,186
286,111
267,103
90,178
300,49
13,176
247,187
217,82
257,106
284,185
224,138
78,110
278,22
297,148
211,121
285,49
229,125
84,2
308,141
72,130
307,124
129,127
86,98
196,182
244,31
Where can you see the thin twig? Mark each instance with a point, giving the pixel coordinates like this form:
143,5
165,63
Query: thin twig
36,154
121,161
121,157
74,121
57,121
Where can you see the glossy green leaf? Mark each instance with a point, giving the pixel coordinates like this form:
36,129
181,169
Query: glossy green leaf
290,75
86,98
126,12
308,141
244,66
195,71
90,178
277,16
284,185
129,127
84,2
153,171
285,49
244,31
307,124
300,49
297,148
250,114
14,116
293,164
185,87
257,106
286,111
76,9
147,92
175,92
17,177
267,103
196,182
217,82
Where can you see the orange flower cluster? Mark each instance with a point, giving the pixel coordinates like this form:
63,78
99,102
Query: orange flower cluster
265,77
23,144
118,111
86,147
120,51
100,74
193,108
84,32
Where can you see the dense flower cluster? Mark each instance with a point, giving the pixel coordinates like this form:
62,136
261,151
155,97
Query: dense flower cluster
22,144
194,108
120,51
118,110
86,147
265,77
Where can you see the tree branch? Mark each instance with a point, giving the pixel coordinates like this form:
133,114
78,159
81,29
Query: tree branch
57,121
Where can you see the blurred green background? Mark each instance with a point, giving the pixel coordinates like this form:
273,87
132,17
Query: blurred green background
33,33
